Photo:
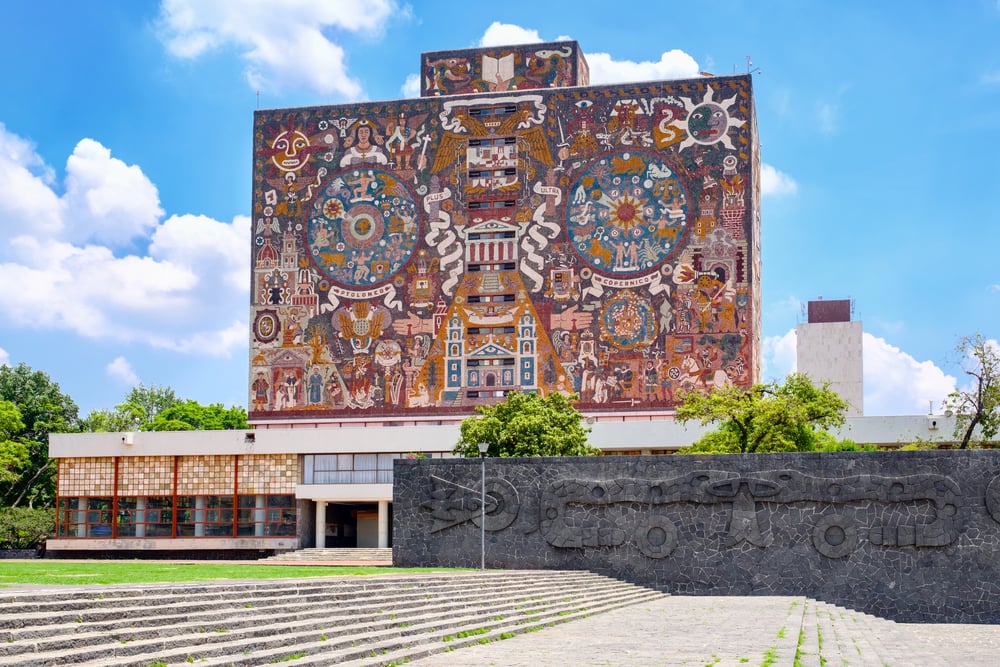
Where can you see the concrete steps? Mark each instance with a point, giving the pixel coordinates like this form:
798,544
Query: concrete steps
347,620
832,636
333,555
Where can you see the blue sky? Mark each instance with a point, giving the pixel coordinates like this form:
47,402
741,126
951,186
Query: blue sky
125,164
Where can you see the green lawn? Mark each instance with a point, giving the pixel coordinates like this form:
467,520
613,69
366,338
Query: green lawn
149,572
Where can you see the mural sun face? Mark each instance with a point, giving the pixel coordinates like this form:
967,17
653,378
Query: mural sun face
708,122
290,153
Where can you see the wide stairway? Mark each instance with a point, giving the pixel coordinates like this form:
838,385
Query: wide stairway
374,620
333,555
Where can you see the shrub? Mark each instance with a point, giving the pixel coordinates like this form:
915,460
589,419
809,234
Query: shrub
25,527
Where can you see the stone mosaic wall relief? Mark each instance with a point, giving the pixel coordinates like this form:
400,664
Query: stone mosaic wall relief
427,256
907,535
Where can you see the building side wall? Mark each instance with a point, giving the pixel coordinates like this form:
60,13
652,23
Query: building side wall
423,257
910,536
833,352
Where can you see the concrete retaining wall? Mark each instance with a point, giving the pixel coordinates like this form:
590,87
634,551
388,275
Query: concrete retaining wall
911,536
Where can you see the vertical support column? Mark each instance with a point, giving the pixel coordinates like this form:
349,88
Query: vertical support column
259,515
320,524
140,517
383,524
199,516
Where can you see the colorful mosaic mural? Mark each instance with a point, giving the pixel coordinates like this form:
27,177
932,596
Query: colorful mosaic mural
426,256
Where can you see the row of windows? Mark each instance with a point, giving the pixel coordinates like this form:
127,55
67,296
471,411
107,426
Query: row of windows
504,110
503,266
181,516
348,468
493,203
492,173
487,394
481,331
489,236
488,298
493,141
506,361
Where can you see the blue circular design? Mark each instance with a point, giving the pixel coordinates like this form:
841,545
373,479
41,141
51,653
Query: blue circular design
628,213
363,227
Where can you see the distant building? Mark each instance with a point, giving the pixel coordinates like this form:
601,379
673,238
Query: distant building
829,349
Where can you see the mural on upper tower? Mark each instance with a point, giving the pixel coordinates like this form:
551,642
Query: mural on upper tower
426,256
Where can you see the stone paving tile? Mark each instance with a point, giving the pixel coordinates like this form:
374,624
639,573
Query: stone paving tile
721,632
675,631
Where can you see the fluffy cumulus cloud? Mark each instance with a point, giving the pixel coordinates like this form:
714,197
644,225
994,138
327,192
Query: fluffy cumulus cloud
778,356
894,382
675,64
776,183
72,259
4,357
121,371
898,384
275,37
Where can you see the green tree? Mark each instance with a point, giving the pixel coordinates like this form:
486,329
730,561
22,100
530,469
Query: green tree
768,417
43,409
193,416
14,454
979,404
140,407
527,425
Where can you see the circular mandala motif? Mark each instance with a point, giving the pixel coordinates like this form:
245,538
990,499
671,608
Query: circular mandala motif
266,326
632,229
363,228
628,321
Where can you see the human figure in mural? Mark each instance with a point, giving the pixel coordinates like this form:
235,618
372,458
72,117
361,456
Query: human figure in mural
361,150
291,389
315,386
398,143
260,387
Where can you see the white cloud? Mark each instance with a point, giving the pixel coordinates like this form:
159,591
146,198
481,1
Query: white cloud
4,357
502,34
894,382
284,42
192,285
411,87
779,356
112,202
774,182
674,64
898,384
121,369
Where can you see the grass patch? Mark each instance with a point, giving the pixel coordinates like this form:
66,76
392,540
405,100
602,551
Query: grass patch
157,572
770,655
293,656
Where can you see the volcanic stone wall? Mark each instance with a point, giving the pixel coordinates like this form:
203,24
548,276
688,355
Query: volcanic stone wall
911,536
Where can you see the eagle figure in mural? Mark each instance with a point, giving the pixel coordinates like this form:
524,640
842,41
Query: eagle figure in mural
464,126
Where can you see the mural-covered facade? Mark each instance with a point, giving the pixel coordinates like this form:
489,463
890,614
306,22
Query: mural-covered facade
512,230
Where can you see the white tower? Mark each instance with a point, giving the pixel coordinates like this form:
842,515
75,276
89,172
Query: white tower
829,350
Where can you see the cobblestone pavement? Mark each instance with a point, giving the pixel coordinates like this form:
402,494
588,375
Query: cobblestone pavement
719,632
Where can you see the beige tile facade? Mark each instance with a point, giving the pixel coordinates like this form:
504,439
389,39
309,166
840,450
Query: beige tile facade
269,473
86,476
196,475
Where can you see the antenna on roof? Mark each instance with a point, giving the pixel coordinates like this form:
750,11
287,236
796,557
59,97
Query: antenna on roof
751,69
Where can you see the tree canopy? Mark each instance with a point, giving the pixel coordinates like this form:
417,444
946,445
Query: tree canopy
768,417
41,408
977,405
140,407
527,425
193,416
